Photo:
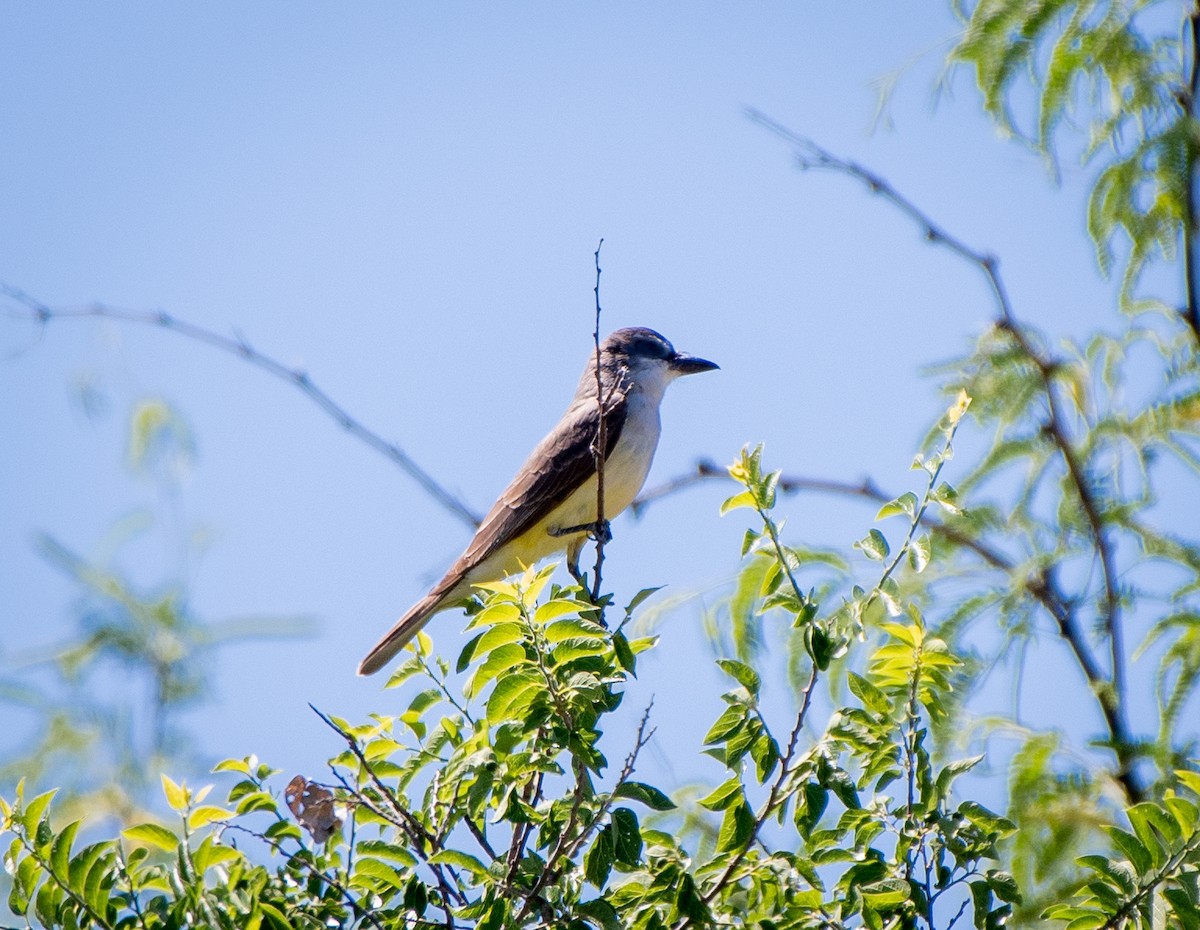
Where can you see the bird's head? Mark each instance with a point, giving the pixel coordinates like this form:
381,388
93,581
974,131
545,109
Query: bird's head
649,358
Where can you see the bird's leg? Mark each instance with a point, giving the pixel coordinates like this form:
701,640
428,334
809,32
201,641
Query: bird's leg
573,552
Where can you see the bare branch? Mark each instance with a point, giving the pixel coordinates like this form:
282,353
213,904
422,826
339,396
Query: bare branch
600,450
239,347
811,155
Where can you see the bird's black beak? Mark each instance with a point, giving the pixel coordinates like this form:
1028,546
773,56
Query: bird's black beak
690,365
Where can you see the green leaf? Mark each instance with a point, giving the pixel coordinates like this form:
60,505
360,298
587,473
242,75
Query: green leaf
947,775
210,854
152,835
384,850
742,673
874,546
416,896
744,499
501,660
624,651
574,628
502,612
499,635
82,862
232,765
206,814
494,919
512,694
736,827
1132,847
723,795
276,917
374,870
885,894
808,814
552,610
464,657
627,847
1189,778
256,801
644,794
986,820
177,795
24,882
99,879
906,503
765,753
598,862
282,830
689,905
920,552
31,816
733,719
1004,885
821,648
601,913
60,852
460,860
577,647
46,904
873,699
639,598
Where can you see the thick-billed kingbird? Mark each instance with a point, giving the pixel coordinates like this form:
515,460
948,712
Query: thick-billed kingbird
551,503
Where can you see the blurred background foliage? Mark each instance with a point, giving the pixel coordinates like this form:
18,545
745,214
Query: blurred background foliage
101,714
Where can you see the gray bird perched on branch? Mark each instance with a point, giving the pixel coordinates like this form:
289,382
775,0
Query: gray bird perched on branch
551,504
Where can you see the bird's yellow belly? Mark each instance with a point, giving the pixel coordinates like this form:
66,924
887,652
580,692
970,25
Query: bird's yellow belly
624,474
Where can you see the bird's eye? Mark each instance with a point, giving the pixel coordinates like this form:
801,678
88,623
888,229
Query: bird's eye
650,348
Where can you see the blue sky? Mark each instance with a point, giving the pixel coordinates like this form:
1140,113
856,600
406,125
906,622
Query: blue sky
404,200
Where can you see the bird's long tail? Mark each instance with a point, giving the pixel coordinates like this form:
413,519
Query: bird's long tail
398,636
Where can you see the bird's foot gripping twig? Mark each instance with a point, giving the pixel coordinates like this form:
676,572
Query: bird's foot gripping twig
598,531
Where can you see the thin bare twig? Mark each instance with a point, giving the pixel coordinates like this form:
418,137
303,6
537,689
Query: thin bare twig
641,738
600,450
42,314
1108,690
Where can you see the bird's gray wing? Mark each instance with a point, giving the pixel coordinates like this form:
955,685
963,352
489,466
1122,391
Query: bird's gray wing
558,466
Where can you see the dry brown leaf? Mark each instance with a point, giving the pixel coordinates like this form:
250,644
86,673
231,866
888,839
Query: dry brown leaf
312,806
